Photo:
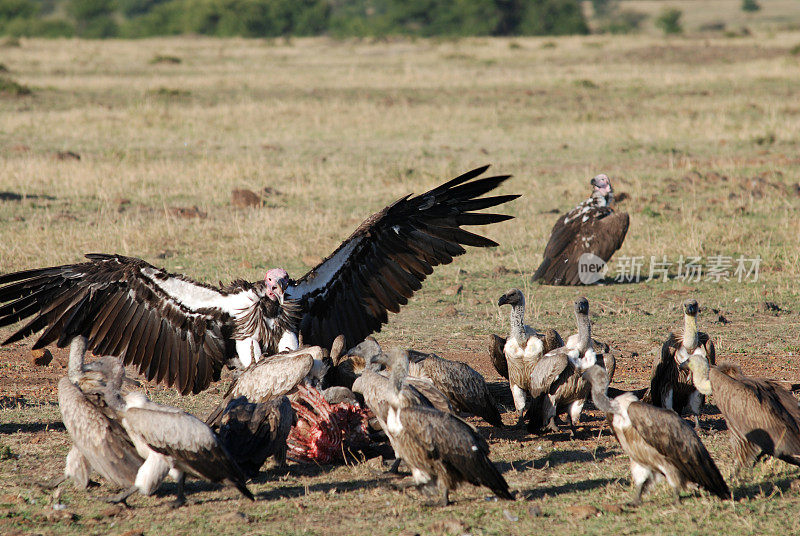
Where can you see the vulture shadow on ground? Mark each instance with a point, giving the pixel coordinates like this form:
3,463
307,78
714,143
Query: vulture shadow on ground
288,492
556,458
31,427
764,488
572,487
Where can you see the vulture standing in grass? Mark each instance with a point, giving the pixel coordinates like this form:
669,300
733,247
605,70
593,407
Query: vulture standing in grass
463,386
671,387
763,418
182,332
252,432
98,442
441,449
556,386
170,440
591,227
659,443
522,349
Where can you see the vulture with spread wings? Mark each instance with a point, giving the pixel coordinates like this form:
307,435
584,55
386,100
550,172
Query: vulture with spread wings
182,332
591,227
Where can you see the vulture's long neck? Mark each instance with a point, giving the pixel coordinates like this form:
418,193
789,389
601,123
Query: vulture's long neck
691,338
584,332
77,350
517,318
598,379
397,375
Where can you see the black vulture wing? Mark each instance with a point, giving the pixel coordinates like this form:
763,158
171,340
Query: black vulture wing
386,259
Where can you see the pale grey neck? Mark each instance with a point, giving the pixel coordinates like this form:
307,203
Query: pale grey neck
77,350
599,381
584,332
517,318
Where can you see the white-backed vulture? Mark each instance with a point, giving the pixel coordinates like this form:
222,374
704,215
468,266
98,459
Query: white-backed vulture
523,348
98,442
170,440
556,386
252,432
441,449
464,387
182,332
592,227
272,377
763,418
659,443
671,387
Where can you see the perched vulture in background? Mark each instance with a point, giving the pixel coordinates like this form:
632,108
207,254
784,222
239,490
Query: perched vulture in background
591,227
182,332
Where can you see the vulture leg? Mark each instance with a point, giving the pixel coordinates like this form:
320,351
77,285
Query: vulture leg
395,468
444,498
122,497
641,478
575,418
180,498
677,500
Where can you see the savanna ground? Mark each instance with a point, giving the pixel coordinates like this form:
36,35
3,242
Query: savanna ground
701,132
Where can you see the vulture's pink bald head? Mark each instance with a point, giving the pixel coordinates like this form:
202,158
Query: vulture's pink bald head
276,281
602,184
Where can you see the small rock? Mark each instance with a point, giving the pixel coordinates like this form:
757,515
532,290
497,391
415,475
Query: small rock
235,517
55,516
612,508
448,526
41,357
113,511
121,201
67,155
583,511
509,516
376,464
501,270
535,511
452,291
241,198
450,311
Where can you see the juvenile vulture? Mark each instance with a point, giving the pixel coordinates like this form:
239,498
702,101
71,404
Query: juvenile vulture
523,348
556,386
441,449
463,386
252,432
591,227
272,377
99,443
182,332
763,417
671,387
170,440
659,443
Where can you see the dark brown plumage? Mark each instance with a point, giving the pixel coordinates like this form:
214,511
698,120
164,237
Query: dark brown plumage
254,432
591,227
657,440
671,387
464,387
763,418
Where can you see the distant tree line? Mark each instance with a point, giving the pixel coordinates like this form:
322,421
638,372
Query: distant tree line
274,18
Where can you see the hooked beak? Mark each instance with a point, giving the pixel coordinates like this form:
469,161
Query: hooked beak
502,301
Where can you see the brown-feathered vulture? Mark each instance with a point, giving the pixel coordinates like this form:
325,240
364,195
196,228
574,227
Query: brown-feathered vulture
523,348
659,443
182,332
591,227
763,418
671,387
99,443
556,386
171,441
441,449
463,386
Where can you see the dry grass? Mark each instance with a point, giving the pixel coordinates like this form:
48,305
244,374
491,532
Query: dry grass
700,133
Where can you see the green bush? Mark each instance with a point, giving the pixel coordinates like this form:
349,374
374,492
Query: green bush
622,22
39,28
17,9
750,6
670,21
552,17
